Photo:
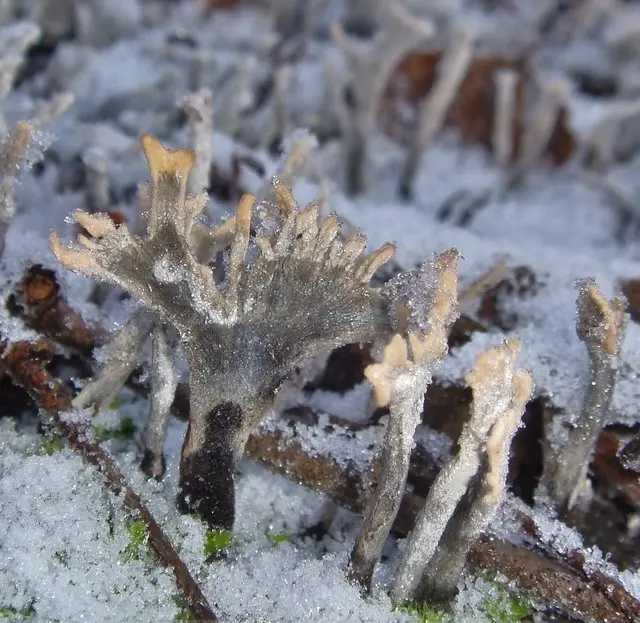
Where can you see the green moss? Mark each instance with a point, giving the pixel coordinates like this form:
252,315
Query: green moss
507,608
125,431
424,613
51,445
276,538
116,403
9,612
216,541
184,613
138,532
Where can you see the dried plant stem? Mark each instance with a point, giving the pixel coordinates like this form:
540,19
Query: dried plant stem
25,364
600,326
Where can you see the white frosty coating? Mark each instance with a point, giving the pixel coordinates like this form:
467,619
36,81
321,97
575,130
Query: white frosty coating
166,271
347,448
563,539
354,404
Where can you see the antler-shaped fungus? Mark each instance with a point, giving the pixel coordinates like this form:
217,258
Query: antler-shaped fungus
306,293
500,393
600,325
400,382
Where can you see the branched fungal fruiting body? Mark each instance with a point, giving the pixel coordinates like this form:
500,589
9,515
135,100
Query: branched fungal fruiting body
445,529
370,68
306,293
600,325
400,382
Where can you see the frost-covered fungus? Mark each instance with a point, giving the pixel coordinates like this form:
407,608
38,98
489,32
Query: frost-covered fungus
400,382
17,149
370,67
600,326
307,292
445,528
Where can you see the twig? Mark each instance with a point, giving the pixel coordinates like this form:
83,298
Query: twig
25,363
40,304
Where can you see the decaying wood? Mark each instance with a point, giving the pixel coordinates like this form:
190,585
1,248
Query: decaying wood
42,307
26,364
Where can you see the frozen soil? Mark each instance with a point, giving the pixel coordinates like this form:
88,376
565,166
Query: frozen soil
65,542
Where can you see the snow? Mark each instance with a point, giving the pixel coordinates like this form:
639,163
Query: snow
61,533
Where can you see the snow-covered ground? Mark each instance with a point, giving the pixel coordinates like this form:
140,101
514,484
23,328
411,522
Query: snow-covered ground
64,540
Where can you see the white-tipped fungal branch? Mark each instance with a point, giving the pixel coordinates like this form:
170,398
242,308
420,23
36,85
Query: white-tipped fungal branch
122,355
370,68
163,383
442,575
539,129
506,88
297,149
600,325
600,145
199,109
13,151
279,116
400,381
450,73
301,292
493,382
234,101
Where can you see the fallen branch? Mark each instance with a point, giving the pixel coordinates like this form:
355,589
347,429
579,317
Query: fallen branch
39,302
25,362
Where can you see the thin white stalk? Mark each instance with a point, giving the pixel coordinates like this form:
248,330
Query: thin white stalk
506,84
